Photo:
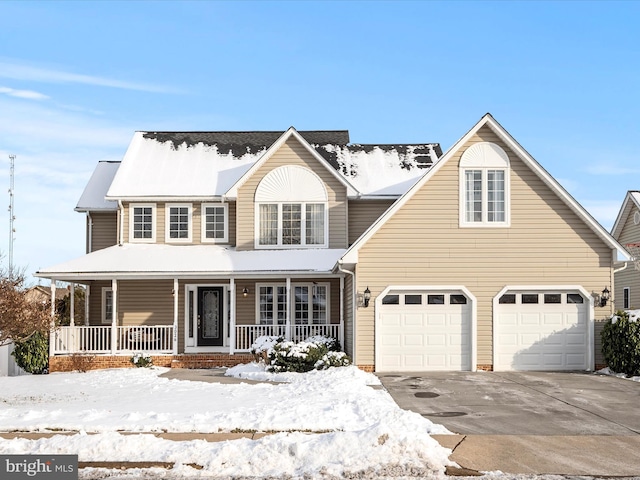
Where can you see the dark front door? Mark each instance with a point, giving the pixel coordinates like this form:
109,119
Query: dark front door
210,316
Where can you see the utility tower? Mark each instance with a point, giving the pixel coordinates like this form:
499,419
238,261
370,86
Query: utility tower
12,216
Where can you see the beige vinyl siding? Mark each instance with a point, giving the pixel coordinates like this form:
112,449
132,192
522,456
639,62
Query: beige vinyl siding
362,214
104,230
422,244
292,153
630,277
145,302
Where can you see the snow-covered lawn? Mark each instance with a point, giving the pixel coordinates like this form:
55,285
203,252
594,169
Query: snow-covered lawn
362,430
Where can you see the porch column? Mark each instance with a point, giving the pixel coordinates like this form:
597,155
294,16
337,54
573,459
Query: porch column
176,286
87,293
72,305
232,316
288,335
114,315
52,334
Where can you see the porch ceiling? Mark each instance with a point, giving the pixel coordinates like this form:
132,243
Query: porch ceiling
179,261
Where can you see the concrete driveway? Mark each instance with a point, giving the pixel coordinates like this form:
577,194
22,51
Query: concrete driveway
519,403
529,423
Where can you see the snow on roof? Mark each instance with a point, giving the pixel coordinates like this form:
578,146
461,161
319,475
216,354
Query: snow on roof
381,169
152,168
170,260
636,197
207,164
92,197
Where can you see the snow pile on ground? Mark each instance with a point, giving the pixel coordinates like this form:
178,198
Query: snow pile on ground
361,429
608,371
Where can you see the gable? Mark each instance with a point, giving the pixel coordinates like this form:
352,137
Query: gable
488,130
293,155
626,228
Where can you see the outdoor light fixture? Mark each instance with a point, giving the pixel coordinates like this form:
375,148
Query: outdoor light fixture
604,297
366,297
245,292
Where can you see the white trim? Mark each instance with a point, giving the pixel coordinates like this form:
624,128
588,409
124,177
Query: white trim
195,348
203,222
303,225
432,288
291,184
462,198
351,256
167,223
176,314
154,222
547,288
103,302
291,132
290,303
626,299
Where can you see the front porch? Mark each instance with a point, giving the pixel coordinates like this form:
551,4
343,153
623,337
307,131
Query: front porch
161,339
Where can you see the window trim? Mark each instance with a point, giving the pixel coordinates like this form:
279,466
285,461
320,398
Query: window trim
103,305
484,157
167,223
626,298
154,222
203,221
303,222
290,305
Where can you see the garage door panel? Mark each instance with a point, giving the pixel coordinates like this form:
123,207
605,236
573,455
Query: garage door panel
551,336
433,337
390,340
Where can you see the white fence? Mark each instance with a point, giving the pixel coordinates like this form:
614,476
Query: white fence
103,339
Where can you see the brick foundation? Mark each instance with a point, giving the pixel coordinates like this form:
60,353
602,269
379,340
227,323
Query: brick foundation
367,368
69,363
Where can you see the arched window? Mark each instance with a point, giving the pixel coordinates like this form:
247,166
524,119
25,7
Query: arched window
291,209
484,186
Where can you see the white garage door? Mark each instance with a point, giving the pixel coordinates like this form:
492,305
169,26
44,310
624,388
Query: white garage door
418,331
542,330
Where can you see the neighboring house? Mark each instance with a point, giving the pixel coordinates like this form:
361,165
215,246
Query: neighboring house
198,242
626,230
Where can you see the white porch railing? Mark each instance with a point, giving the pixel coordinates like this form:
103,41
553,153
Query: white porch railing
246,334
98,339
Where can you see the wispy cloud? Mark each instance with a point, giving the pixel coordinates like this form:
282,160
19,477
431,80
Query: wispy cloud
19,71
28,94
609,168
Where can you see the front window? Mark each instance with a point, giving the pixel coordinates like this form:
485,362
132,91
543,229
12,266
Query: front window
214,223
291,224
309,304
272,305
626,298
142,223
178,223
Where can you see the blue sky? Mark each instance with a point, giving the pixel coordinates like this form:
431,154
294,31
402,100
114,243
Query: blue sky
78,78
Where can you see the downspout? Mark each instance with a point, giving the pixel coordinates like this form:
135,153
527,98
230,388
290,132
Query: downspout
121,232
353,307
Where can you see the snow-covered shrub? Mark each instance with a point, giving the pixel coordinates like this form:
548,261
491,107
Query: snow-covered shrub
333,359
621,344
305,356
262,345
142,360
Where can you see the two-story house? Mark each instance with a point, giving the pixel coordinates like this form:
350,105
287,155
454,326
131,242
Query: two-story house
199,242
